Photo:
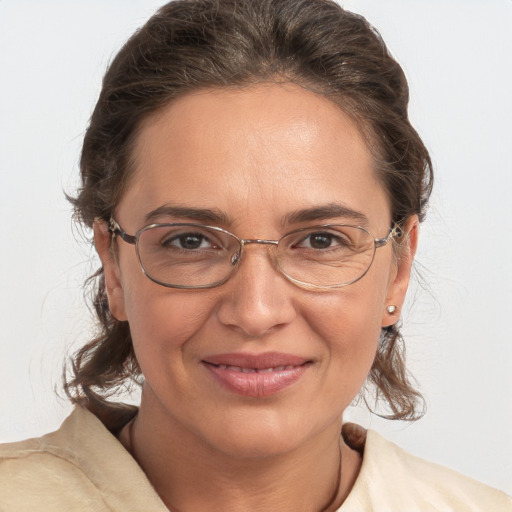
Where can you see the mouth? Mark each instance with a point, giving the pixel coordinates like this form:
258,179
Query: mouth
255,370
256,375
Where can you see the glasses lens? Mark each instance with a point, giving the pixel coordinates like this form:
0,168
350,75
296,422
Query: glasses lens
326,256
186,255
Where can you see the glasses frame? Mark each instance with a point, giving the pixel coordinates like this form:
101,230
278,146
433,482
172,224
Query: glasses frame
116,230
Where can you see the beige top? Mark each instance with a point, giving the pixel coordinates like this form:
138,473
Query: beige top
83,467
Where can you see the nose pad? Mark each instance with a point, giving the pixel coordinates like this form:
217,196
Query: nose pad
235,259
271,249
272,254
259,300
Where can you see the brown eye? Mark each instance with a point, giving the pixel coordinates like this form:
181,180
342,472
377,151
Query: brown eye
188,242
320,240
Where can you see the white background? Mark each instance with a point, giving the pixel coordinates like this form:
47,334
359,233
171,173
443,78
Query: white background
457,56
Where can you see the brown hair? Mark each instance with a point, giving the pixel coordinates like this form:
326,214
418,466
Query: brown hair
192,44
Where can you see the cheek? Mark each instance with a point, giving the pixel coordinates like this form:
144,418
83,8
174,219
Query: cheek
352,328
163,320
349,323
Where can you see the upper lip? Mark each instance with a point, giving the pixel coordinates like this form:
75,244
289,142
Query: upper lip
256,361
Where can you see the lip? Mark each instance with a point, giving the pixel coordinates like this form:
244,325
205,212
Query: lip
256,375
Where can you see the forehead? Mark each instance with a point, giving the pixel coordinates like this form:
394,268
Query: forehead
278,147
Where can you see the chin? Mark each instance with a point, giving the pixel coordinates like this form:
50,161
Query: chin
245,436
256,444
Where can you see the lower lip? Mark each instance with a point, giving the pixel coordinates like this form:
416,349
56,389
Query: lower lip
257,384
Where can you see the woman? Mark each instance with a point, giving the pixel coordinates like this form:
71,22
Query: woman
255,190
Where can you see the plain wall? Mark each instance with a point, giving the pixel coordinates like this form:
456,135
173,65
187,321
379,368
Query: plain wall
457,56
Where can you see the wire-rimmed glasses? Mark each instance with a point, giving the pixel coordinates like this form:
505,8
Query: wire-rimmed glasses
191,256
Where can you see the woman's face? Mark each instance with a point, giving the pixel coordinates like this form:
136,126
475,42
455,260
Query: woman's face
258,162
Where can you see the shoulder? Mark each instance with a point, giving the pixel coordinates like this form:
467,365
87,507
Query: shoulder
81,466
47,473
392,479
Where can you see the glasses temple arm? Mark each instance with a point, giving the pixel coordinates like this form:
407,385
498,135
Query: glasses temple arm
395,231
115,229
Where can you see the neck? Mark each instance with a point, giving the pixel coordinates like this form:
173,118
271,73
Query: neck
188,474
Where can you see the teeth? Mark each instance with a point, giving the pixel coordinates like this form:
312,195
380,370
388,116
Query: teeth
255,370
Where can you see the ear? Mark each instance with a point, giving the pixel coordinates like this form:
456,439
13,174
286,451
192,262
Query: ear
115,294
399,283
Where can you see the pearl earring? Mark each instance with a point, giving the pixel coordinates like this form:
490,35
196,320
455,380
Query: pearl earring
391,309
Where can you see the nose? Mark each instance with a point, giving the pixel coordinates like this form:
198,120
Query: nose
257,299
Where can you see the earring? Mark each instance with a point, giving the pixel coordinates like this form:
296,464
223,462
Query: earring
391,309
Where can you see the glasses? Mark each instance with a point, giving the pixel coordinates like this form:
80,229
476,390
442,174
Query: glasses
191,256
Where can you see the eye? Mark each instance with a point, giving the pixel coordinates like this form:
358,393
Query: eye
322,240
189,241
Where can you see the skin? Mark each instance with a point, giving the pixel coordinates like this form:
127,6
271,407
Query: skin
257,155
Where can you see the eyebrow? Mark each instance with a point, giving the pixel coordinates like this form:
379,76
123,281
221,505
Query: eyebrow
215,216
324,212
206,215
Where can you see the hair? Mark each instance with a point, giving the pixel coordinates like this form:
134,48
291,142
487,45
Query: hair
196,44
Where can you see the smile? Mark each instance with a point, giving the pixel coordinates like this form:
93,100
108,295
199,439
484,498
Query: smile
256,376
255,370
